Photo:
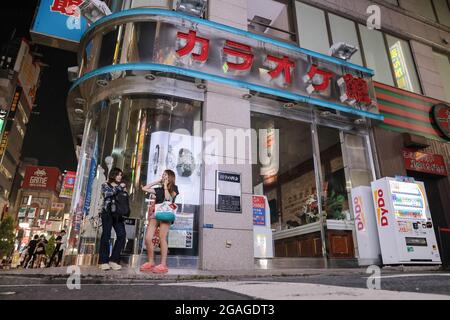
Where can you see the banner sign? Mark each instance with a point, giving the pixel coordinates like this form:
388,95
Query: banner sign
41,178
58,24
68,185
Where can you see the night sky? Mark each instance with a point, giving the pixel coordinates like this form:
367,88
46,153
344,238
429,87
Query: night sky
48,136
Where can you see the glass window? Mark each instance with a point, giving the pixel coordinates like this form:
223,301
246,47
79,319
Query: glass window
394,2
271,18
442,11
334,187
285,172
403,64
343,30
420,7
312,28
443,65
376,55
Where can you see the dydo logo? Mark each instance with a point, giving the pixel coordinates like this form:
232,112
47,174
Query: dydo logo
382,212
359,213
39,178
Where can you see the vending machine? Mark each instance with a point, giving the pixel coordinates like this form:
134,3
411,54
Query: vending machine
369,252
404,224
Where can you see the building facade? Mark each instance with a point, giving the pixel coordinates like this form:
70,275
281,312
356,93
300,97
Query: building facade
19,82
248,102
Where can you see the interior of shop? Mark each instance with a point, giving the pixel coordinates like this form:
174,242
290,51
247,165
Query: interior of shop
291,185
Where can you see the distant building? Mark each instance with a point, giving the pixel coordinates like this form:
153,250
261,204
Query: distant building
19,80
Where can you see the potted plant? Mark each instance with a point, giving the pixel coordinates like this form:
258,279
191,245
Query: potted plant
334,206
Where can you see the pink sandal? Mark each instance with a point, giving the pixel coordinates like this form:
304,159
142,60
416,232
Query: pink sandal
160,269
147,267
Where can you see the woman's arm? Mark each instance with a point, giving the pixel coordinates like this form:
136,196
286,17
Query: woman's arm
149,187
107,191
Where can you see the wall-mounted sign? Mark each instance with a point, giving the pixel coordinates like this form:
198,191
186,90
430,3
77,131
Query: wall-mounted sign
228,192
424,162
68,185
441,115
210,51
58,24
41,178
10,120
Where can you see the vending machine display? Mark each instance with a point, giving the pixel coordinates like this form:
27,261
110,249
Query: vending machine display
404,223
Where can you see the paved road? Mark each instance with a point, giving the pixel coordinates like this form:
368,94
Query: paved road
411,286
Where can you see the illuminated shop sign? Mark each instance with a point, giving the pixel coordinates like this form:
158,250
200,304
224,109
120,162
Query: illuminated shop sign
400,68
424,162
58,24
441,115
210,51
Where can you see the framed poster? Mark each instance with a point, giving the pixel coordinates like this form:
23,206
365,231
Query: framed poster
228,192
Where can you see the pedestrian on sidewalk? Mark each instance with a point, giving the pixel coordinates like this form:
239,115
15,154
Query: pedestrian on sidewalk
59,249
40,256
168,192
110,189
29,260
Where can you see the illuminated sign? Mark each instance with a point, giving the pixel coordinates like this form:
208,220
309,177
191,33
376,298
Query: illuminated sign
202,49
400,67
58,24
68,185
424,162
41,178
9,121
441,115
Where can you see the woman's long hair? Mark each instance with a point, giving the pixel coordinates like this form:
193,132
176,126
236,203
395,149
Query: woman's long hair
113,174
171,178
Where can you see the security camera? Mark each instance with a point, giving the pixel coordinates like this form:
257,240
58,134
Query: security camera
343,50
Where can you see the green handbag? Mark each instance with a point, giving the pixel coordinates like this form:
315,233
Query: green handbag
165,212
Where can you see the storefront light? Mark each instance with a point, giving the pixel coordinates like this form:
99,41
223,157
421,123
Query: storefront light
343,50
24,225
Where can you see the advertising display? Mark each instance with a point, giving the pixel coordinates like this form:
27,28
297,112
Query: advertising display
68,185
365,226
182,231
58,24
181,154
28,74
46,178
404,223
9,121
262,231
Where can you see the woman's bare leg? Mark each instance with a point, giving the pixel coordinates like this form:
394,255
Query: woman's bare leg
163,231
151,228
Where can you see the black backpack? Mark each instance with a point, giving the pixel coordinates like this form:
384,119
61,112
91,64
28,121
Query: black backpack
120,204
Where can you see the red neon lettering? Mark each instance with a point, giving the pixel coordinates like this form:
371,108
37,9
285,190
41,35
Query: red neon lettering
283,65
65,6
326,76
243,53
191,40
357,89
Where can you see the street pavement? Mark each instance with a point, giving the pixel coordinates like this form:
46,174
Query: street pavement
179,284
